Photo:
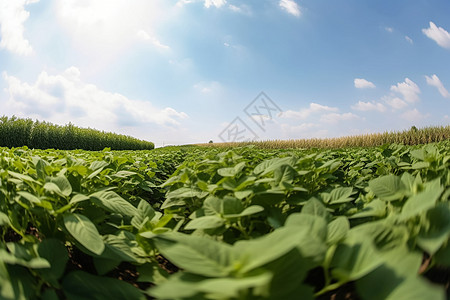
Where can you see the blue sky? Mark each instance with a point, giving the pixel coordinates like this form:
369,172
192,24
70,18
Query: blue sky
177,72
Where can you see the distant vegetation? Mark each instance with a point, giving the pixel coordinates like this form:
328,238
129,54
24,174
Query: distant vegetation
412,136
17,132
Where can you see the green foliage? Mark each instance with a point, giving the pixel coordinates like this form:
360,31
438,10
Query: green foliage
16,132
245,223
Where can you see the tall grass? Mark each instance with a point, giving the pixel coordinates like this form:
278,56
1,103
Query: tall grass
17,132
412,136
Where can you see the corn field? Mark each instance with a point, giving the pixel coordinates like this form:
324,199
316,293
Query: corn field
18,132
412,136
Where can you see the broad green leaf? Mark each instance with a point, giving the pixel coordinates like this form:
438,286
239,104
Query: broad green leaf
388,188
251,210
420,165
417,288
276,244
314,224
30,197
79,285
442,256
399,264
151,272
78,198
114,203
56,254
284,174
176,197
337,230
375,208
355,257
23,177
85,232
384,234
422,201
289,273
315,207
206,222
188,285
59,185
32,262
120,246
268,166
195,254
4,219
231,172
144,213
341,195
432,238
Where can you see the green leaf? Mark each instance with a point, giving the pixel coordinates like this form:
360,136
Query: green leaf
375,208
85,232
151,272
4,219
78,198
438,232
284,174
423,201
195,254
417,288
442,256
314,224
251,210
23,177
276,244
30,197
341,195
79,285
355,257
337,230
59,185
388,188
399,264
144,213
270,165
112,202
315,207
56,254
206,222
231,172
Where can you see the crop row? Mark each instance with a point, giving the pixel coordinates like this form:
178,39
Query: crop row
16,132
197,223
412,136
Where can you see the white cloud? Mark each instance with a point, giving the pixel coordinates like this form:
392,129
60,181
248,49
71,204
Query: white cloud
242,9
181,3
389,29
216,3
436,82
395,102
361,83
409,39
369,106
291,7
143,35
413,115
207,87
438,34
408,89
103,30
65,97
334,118
12,17
306,112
